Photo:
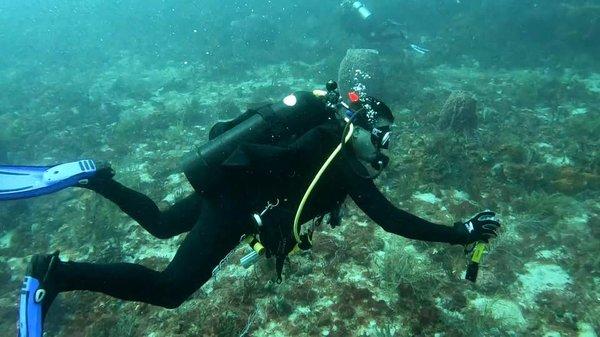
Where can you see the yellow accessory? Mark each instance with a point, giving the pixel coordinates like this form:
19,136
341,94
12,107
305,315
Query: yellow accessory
258,247
478,252
253,242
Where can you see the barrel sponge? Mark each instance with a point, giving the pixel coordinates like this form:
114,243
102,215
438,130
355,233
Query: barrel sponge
459,113
360,71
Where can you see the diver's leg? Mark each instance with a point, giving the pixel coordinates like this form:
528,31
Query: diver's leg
179,218
212,238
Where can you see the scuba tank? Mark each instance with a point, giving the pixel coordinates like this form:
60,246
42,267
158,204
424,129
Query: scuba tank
362,10
294,115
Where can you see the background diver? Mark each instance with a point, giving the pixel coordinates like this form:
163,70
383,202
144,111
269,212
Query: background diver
260,178
375,29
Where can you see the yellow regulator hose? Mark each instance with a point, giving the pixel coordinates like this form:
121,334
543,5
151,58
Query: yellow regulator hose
314,183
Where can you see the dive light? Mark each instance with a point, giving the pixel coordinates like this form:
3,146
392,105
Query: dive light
476,257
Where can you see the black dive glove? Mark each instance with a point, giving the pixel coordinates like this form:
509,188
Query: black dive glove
482,227
104,172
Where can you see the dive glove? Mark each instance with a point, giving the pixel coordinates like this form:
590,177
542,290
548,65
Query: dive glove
104,172
482,227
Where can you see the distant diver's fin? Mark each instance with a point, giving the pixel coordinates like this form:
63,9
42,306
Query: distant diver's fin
419,49
30,308
19,182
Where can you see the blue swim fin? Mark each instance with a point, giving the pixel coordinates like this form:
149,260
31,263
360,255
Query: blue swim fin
419,49
19,182
30,309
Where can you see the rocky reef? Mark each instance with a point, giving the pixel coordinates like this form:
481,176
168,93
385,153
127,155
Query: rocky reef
358,280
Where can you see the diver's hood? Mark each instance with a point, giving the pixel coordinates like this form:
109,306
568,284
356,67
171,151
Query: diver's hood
366,169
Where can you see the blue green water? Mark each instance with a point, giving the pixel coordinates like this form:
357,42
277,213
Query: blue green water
140,83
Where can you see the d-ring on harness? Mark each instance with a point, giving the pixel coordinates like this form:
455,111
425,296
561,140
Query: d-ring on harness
258,248
258,217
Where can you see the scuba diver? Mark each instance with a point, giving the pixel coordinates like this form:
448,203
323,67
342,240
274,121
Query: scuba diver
266,178
371,28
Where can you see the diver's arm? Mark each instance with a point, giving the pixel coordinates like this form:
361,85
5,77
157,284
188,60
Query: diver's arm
394,220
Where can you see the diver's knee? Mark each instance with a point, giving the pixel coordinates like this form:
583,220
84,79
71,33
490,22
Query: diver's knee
173,302
175,290
161,234
160,230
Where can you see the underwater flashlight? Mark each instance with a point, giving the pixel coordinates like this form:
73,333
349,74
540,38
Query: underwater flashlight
476,257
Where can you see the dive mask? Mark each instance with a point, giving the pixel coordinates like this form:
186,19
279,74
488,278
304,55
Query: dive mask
368,113
380,137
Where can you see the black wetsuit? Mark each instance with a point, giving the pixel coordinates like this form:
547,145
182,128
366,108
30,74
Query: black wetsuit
216,221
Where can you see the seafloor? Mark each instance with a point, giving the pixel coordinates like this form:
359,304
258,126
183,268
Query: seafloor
533,159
